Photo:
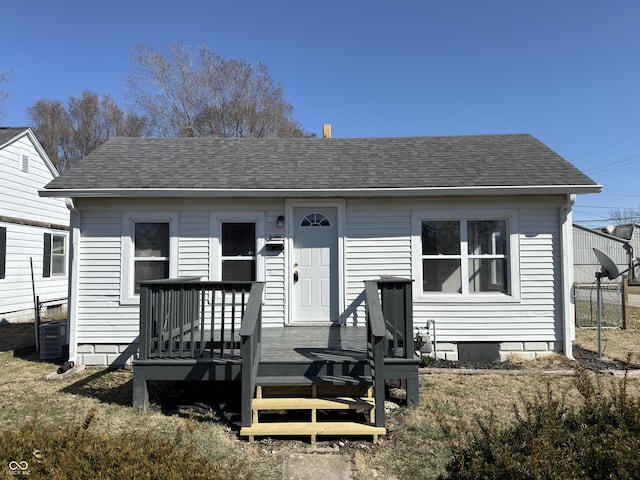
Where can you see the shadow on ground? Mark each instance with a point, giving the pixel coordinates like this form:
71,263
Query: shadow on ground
112,386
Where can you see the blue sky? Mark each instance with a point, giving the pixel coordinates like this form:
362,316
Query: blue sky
566,71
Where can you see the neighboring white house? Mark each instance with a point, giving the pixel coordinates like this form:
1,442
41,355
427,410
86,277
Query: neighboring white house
33,230
621,243
482,224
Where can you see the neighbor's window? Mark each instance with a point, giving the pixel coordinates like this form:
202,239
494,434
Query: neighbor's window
238,251
151,252
3,251
55,255
464,256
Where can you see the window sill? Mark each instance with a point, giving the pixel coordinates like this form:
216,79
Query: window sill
449,298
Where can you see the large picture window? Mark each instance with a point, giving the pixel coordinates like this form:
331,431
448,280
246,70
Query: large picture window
238,251
465,256
151,252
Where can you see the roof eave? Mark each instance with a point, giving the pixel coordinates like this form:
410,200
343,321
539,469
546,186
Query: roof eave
350,192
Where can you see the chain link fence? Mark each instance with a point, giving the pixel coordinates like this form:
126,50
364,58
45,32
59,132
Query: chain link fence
586,303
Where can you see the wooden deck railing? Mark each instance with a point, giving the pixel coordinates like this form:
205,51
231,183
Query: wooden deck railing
251,344
376,337
391,343
397,308
190,319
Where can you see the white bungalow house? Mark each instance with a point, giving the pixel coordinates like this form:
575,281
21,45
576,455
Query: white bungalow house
481,224
33,230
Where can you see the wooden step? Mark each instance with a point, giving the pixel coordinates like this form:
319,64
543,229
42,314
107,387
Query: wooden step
315,398
311,429
313,391
297,403
287,380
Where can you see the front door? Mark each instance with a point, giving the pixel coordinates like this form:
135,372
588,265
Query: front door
315,265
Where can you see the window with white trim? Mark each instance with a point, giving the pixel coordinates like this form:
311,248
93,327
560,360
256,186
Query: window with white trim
465,256
151,252
238,251
54,261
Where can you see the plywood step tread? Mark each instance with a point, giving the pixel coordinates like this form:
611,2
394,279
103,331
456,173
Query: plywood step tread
310,428
334,403
285,380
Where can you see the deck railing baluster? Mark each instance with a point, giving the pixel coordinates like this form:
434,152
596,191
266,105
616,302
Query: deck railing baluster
177,323
200,316
222,321
172,311
193,304
159,321
169,306
214,301
233,322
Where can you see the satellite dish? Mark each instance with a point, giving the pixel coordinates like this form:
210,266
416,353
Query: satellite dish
609,268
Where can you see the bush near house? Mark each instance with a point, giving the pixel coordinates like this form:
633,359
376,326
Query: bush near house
599,439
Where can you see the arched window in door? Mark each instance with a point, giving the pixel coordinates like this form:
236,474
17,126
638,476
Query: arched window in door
315,219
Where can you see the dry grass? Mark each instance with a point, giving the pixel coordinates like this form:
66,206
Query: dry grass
414,448
25,393
616,344
419,450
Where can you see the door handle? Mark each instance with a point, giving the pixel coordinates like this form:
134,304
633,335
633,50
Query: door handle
295,276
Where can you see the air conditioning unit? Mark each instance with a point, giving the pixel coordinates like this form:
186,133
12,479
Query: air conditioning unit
53,340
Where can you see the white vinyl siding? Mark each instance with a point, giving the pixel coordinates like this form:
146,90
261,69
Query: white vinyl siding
377,242
273,309
195,256
378,239
23,209
24,245
101,317
19,191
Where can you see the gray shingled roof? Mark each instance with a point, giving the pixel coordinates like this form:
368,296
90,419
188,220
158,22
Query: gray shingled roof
7,133
321,164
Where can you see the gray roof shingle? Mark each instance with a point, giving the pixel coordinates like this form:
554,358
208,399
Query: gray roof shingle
321,164
7,133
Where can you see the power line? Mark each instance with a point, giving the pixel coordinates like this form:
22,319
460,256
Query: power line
606,146
600,206
621,162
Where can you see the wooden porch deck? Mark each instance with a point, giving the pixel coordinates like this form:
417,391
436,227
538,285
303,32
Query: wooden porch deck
280,368
305,343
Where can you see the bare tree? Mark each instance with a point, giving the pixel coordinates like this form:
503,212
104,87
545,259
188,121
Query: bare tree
204,94
4,77
52,125
625,216
70,133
